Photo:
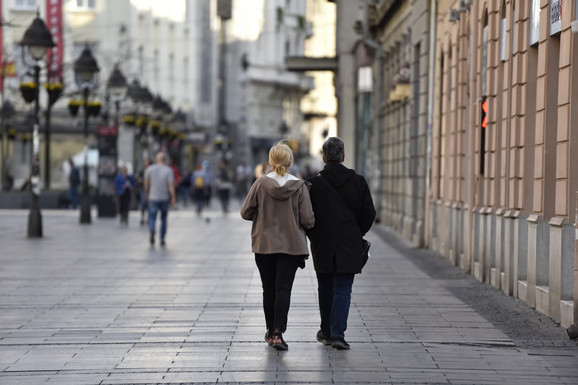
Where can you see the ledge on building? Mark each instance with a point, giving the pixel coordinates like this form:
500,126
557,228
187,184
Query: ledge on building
304,63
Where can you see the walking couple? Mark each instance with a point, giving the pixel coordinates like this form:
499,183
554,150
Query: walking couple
284,211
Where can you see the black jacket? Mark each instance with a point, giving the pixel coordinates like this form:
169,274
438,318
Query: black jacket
335,239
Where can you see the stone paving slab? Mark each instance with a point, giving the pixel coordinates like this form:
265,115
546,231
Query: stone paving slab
95,304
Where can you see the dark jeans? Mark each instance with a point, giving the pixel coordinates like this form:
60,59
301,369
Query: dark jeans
334,292
224,197
73,196
154,208
144,204
277,275
124,203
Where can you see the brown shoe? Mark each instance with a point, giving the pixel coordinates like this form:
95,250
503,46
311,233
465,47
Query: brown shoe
278,342
269,338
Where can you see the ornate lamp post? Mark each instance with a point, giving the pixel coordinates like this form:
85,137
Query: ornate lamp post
85,68
118,87
37,39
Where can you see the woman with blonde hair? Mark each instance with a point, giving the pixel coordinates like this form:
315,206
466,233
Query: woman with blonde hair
278,204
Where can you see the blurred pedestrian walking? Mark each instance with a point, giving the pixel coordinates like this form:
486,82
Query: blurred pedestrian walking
279,206
224,185
159,185
124,185
199,185
185,187
336,240
242,181
141,191
74,182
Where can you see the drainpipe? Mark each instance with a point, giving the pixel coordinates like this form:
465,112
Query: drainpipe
430,109
378,114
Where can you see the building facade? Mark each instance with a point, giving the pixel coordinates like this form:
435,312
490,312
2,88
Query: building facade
262,99
495,124
400,107
169,47
319,106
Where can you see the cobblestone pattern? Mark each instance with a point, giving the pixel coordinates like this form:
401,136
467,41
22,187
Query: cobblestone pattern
95,304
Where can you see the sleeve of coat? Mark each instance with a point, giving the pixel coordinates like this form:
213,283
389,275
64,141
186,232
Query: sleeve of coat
306,217
249,208
367,211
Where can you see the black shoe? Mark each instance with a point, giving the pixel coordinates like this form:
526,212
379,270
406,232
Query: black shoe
278,342
152,238
321,337
339,343
163,242
269,338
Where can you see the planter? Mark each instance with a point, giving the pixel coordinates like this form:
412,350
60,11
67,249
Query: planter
93,108
28,91
129,120
54,91
73,106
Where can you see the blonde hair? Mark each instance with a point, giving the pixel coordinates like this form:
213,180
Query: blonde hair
280,158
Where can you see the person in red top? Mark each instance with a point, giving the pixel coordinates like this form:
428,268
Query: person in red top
176,172
176,175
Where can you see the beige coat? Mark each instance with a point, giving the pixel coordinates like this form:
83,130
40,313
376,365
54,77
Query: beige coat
280,216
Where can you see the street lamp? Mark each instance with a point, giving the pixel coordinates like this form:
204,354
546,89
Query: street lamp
37,39
108,147
117,86
85,68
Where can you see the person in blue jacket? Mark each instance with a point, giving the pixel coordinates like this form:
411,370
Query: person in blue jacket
124,184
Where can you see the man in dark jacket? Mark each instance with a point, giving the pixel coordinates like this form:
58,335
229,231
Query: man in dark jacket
336,239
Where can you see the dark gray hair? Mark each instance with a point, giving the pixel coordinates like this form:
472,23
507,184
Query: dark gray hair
333,149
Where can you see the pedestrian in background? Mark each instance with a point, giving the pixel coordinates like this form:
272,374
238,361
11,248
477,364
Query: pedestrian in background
199,188
124,185
176,175
242,181
159,185
185,187
335,240
74,182
279,206
224,185
141,191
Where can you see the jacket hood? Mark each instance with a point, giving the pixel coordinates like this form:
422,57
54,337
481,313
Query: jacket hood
337,174
271,186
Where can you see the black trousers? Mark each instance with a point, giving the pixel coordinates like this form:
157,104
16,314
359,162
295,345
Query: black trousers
277,276
124,203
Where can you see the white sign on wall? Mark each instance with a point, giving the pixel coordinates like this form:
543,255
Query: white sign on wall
555,16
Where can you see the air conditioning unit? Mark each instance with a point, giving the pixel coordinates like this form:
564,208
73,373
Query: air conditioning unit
454,15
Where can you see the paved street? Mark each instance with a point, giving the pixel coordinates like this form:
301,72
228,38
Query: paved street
95,304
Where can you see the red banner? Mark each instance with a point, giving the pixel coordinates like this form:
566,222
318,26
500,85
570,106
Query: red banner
56,54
